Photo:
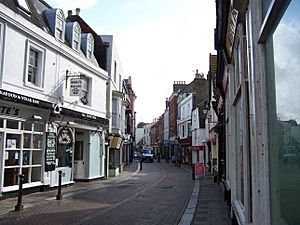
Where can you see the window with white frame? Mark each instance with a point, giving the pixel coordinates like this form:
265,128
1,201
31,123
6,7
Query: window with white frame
85,90
22,4
90,47
189,129
35,65
32,66
23,151
60,25
115,71
114,111
76,37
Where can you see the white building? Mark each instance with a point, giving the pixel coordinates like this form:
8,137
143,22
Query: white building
184,124
52,93
116,105
199,134
143,134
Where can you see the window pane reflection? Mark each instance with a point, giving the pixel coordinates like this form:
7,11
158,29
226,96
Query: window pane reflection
284,122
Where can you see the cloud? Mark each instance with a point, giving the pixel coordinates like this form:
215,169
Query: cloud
287,70
161,51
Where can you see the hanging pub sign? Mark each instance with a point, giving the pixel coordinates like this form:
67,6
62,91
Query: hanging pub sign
231,29
50,151
65,136
75,87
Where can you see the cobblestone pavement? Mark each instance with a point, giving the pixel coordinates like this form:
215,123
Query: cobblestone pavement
156,195
211,208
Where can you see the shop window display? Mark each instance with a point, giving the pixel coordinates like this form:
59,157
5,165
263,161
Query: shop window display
23,151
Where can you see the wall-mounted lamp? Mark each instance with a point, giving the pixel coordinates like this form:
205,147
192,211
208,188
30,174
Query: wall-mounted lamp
37,117
70,123
204,110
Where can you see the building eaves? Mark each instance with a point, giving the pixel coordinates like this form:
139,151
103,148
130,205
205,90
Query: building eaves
35,16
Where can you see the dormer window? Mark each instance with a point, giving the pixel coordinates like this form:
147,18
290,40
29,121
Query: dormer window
87,42
90,47
59,30
23,5
73,34
76,37
56,21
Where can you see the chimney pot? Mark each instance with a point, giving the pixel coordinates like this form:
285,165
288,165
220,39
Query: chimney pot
77,11
69,12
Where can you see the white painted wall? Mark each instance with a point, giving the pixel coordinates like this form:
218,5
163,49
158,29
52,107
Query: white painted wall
185,107
58,59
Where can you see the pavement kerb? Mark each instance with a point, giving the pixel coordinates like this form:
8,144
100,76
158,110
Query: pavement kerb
190,209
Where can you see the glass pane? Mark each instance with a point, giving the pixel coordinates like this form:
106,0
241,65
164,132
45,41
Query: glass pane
13,141
1,123
27,126
39,127
27,141
25,172
12,158
78,154
26,157
36,174
37,141
36,157
12,124
64,155
284,117
11,176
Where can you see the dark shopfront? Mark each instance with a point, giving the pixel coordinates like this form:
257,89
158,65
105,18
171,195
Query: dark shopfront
185,150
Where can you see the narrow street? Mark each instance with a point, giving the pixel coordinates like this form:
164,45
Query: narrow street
157,194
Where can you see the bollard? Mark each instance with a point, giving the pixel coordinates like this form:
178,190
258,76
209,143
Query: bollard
141,164
193,172
19,206
59,195
158,158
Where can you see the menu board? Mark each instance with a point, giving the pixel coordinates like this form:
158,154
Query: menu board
50,151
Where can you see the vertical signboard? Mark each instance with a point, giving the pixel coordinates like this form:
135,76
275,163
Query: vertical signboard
50,151
75,87
199,169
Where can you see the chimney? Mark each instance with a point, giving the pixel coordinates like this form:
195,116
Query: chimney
69,12
197,75
77,11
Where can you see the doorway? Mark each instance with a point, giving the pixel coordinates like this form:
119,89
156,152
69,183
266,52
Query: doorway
79,170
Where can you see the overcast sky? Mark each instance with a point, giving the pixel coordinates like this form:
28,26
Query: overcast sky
158,41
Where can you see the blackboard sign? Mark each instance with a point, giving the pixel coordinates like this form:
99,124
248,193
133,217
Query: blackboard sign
50,151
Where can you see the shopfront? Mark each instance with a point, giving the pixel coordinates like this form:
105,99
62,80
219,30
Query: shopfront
23,124
80,149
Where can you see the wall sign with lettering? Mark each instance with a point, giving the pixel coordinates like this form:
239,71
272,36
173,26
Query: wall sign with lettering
50,151
65,136
75,87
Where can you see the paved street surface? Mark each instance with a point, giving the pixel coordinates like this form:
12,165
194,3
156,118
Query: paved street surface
158,194
211,208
